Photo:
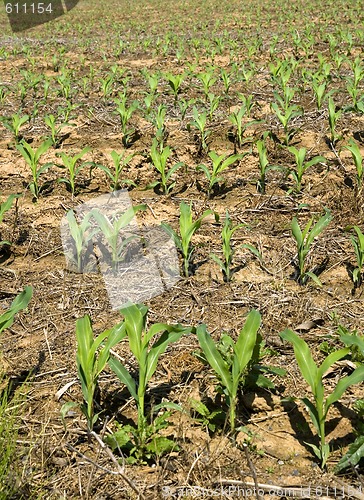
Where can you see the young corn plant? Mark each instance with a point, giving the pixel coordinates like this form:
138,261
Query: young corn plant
358,245
32,157
264,166
301,166
14,124
159,161
219,164
111,229
146,348
158,120
70,165
228,251
230,375
200,121
358,162
319,405
91,359
56,130
285,116
213,102
319,88
81,235
120,161
304,240
187,228
236,118
208,80
175,82
125,112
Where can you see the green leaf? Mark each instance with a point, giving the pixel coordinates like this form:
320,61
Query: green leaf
353,456
313,414
124,376
135,323
214,358
356,377
120,439
161,445
20,302
158,348
244,346
304,359
313,277
296,231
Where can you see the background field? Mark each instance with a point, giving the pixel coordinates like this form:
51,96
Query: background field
320,42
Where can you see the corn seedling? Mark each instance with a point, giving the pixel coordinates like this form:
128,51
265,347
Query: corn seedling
358,245
301,166
187,228
264,166
70,165
213,102
120,161
318,407
50,121
159,161
230,375
125,112
285,116
219,164
183,105
358,162
32,158
175,82
106,85
200,120
226,79
319,89
19,303
81,234
146,351
111,230
158,119
208,80
333,118
91,359
228,252
236,118
304,240
14,123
